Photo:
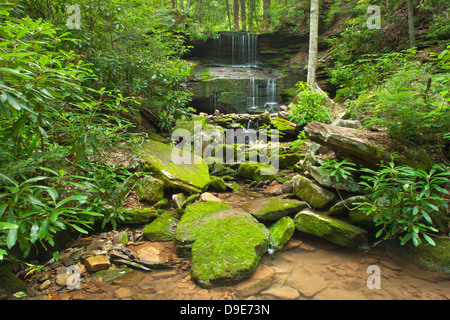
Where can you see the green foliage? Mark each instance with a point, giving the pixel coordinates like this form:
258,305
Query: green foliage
38,211
338,169
413,104
309,105
366,72
404,200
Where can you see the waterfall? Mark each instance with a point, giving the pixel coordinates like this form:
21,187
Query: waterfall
271,90
241,48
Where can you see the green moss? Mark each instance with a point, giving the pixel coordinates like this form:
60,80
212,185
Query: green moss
226,244
9,282
280,232
138,215
218,184
150,190
272,209
192,177
310,192
162,228
333,230
229,249
257,171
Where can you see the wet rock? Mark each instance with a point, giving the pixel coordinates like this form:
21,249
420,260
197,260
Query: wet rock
274,189
162,228
123,293
97,263
287,129
136,215
282,292
120,238
45,285
61,279
288,186
312,193
260,280
355,124
150,190
347,143
218,184
361,219
226,244
280,233
206,196
343,207
191,176
272,209
257,171
325,180
330,229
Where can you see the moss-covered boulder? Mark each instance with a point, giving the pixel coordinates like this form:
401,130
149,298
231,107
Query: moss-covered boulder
330,229
272,209
226,244
191,175
361,219
138,215
150,190
9,282
287,129
343,207
436,257
315,195
257,171
217,184
280,233
162,228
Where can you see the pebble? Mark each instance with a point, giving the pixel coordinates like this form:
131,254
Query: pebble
97,263
122,293
45,285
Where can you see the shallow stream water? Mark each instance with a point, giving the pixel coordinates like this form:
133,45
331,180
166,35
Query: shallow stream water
306,268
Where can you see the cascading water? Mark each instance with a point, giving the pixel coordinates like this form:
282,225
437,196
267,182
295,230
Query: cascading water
237,49
238,77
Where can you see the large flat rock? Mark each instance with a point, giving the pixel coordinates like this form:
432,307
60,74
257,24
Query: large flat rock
192,177
349,143
225,244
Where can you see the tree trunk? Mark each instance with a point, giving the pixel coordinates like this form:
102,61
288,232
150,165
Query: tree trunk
229,16
412,36
181,5
236,14
243,15
173,4
313,36
266,16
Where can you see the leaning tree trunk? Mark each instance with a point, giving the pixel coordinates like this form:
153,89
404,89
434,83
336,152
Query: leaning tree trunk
236,14
313,36
412,36
266,17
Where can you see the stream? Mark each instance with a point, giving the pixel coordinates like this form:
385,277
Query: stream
237,77
307,268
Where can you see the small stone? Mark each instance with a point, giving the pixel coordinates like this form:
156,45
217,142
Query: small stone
45,285
120,238
122,293
206,196
61,279
97,263
67,261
